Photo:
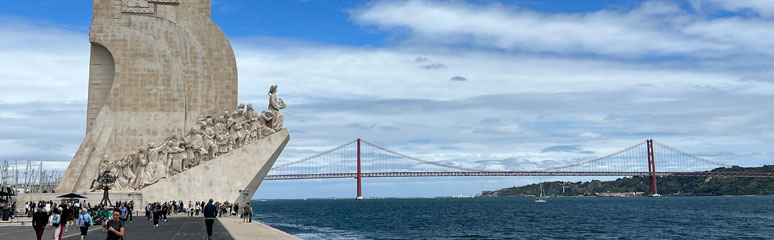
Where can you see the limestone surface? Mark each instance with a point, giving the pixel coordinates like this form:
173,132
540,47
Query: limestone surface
156,66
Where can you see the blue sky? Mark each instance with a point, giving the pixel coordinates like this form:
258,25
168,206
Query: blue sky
468,82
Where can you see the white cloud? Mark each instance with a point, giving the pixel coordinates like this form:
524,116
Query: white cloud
37,63
334,71
653,29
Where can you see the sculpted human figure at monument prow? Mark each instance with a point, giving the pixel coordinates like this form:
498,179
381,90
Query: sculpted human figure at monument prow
180,152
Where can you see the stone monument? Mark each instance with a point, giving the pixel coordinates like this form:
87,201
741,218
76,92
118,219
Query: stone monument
162,107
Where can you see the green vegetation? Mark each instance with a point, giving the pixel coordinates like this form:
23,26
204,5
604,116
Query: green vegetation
700,186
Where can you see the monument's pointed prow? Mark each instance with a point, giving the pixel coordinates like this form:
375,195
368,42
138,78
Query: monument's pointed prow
223,177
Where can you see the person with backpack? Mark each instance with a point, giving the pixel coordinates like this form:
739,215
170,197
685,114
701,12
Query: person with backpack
56,223
84,222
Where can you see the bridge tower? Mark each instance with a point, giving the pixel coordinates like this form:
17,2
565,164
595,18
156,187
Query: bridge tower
359,177
652,168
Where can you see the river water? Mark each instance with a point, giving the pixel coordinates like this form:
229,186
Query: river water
739,217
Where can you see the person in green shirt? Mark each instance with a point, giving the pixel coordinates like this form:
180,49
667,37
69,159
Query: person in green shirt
105,214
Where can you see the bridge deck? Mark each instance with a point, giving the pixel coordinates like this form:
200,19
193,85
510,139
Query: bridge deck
510,173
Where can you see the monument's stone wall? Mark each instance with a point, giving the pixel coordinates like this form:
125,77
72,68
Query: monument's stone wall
156,66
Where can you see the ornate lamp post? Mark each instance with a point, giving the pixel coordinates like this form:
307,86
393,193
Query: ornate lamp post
106,179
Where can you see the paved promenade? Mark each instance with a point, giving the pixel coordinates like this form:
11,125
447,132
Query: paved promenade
178,227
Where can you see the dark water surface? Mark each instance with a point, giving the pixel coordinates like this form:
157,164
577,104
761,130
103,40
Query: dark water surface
750,217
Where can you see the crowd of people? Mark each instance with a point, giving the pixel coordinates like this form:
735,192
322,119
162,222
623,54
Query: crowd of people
59,217
158,211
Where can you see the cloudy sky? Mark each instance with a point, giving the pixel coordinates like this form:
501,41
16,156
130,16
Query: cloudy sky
516,84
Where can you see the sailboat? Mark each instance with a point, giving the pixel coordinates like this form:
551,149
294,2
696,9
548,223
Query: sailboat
542,198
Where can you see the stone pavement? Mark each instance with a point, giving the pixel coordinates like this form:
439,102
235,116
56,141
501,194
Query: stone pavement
176,228
252,230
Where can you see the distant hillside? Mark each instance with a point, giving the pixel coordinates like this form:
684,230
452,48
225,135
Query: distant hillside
701,186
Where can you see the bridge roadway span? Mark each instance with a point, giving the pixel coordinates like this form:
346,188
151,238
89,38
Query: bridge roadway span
509,173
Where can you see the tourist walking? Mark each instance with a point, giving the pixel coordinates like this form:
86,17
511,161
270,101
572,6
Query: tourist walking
248,213
130,207
39,221
115,227
164,211
56,219
64,210
210,212
156,214
123,211
84,222
148,211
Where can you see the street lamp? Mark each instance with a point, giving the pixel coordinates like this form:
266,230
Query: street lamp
245,193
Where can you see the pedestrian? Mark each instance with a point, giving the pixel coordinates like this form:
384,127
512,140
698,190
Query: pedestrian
130,207
156,214
105,214
65,211
26,208
148,211
56,223
248,212
39,221
209,217
84,222
164,211
115,227
33,208
123,211
236,209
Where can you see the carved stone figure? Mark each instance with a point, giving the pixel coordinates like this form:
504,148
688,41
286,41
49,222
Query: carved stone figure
154,170
142,163
210,140
221,134
124,172
175,148
195,150
275,104
266,121
235,130
253,126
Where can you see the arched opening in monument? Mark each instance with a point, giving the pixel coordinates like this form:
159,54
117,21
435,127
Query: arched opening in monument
102,69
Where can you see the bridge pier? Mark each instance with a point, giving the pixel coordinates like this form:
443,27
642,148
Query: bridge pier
652,168
359,175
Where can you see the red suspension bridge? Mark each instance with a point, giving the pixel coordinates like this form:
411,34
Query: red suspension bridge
361,159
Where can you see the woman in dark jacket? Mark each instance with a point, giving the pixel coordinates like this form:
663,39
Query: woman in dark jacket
39,221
